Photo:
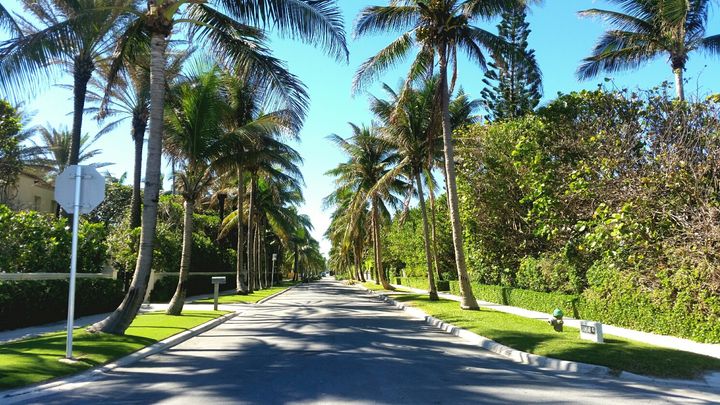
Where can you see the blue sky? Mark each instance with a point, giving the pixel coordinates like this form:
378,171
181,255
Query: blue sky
560,38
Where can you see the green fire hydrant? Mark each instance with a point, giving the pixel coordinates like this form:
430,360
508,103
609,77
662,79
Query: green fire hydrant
557,320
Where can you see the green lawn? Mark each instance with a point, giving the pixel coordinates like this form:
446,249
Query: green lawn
33,360
249,298
537,337
370,285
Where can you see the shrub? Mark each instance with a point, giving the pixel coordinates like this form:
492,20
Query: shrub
550,272
32,242
26,303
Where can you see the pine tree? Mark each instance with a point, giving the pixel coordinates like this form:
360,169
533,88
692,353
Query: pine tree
513,81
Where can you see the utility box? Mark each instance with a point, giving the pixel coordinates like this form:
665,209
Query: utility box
592,331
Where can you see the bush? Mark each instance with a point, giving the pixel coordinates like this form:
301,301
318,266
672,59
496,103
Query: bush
207,256
610,196
26,303
548,273
32,242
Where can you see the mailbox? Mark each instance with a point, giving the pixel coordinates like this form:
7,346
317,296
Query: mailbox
216,281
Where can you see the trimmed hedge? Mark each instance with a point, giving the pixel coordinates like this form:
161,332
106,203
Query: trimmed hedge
625,308
33,242
31,302
164,288
532,300
414,282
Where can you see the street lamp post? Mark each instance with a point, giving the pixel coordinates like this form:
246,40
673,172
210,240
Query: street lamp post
272,275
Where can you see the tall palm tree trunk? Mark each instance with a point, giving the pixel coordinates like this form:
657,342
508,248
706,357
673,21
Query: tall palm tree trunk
241,286
378,249
121,318
258,262
468,298
358,263
258,256
679,85
178,299
433,231
295,263
82,72
433,295
138,136
251,235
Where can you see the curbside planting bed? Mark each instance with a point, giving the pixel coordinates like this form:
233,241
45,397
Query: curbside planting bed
509,336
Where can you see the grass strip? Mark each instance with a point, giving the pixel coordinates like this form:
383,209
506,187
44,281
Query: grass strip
34,360
537,337
370,285
248,298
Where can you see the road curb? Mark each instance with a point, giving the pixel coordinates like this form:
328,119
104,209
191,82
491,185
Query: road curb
549,363
70,382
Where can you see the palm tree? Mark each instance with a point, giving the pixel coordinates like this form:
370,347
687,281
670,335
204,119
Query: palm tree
232,29
73,35
276,204
645,30
58,144
348,233
370,159
269,158
407,126
193,133
128,98
245,124
436,28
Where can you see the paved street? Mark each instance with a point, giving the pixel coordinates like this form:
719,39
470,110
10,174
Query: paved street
329,343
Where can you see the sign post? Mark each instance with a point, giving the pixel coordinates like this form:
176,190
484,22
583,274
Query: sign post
78,189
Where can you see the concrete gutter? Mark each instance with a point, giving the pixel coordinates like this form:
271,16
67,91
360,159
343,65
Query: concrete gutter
72,382
711,380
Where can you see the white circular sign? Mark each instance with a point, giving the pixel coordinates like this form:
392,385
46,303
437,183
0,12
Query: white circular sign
92,189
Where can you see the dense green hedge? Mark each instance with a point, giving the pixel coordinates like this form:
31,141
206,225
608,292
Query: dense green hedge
414,282
33,242
626,308
165,287
533,300
207,255
25,303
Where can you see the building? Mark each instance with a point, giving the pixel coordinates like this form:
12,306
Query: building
33,193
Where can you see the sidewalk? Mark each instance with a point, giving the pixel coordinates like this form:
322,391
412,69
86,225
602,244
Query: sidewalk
33,331
672,342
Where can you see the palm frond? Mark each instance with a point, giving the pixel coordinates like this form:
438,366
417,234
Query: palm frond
382,19
388,57
318,22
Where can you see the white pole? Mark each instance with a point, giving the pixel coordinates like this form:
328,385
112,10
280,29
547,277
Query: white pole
73,263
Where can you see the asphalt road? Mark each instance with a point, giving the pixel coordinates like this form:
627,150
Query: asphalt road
329,343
